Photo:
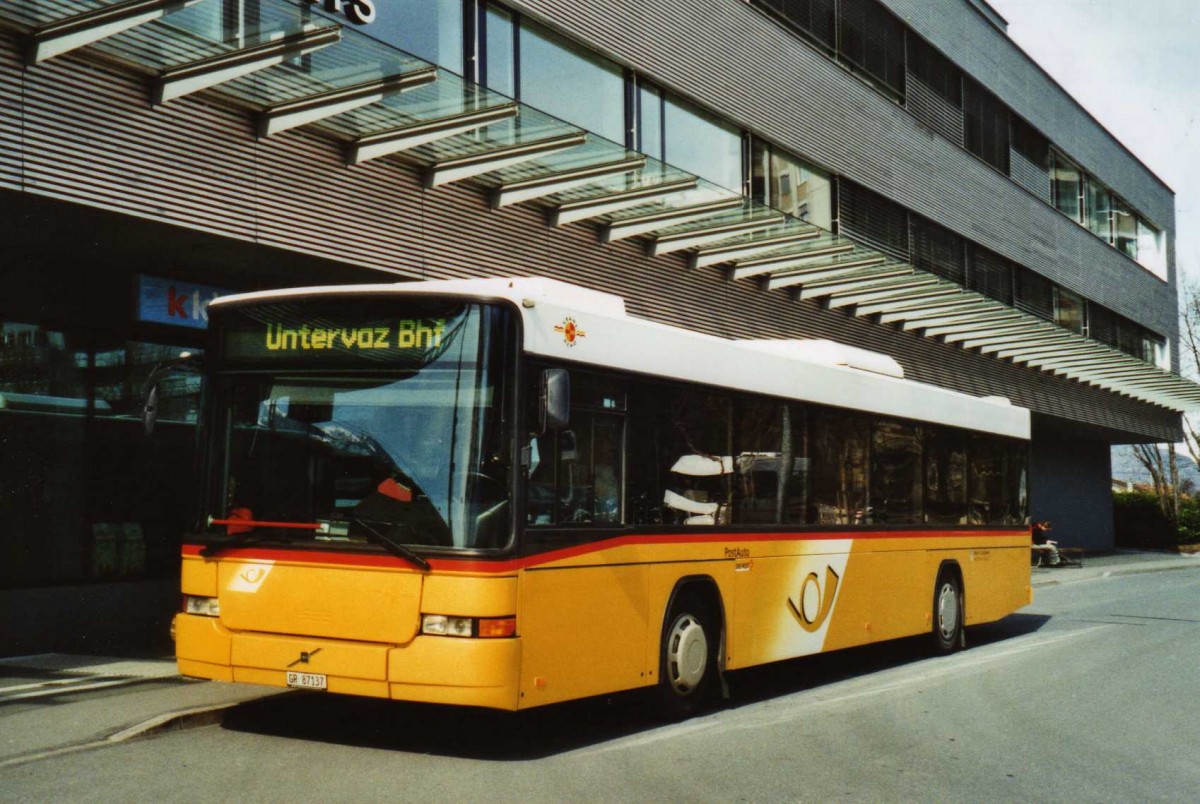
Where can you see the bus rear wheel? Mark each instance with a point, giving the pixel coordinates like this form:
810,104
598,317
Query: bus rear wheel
687,660
947,612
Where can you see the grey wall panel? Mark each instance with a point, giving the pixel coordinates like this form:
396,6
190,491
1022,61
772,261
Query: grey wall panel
96,142
1070,485
10,118
1000,65
732,58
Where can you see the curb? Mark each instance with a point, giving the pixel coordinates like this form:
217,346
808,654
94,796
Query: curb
181,720
1110,573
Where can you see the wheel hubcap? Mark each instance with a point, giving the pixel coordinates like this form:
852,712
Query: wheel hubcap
687,654
948,611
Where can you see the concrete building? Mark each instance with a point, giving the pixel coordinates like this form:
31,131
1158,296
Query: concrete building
893,174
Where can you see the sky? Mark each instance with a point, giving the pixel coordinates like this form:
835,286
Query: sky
1136,67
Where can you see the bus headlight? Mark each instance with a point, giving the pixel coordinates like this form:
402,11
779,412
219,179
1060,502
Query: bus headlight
204,606
484,627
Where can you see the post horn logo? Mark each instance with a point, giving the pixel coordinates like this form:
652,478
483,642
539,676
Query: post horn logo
570,331
813,608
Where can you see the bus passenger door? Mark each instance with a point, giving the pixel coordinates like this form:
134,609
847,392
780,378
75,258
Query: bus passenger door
583,596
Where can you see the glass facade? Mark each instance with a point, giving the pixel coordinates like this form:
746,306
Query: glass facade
702,144
429,29
500,55
1099,209
789,185
86,495
570,83
1065,186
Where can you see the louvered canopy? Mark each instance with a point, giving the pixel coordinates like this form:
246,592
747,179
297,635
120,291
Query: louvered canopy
293,68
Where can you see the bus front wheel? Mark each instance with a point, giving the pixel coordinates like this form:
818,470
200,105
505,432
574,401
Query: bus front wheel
947,612
687,661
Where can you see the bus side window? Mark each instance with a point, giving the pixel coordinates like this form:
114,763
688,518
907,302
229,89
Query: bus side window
575,474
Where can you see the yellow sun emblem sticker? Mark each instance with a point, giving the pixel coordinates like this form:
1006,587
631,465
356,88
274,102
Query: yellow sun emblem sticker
570,331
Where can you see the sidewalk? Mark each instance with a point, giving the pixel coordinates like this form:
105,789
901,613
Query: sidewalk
1122,562
55,703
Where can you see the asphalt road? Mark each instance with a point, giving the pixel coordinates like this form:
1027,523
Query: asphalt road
1091,694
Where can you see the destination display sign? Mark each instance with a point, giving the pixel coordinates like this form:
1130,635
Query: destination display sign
324,333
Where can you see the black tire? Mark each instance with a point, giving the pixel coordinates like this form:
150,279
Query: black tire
947,613
687,657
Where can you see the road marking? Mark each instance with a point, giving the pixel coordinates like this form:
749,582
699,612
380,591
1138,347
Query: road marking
64,687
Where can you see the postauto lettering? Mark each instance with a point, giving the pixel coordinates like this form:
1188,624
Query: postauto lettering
407,334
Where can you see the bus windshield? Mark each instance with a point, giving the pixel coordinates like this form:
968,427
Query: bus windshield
385,424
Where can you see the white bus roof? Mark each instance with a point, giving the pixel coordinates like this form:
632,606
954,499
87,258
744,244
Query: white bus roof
591,327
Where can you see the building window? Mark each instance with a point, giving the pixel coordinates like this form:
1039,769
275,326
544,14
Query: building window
935,70
872,219
1099,209
702,144
817,19
986,122
500,51
990,274
1033,293
789,185
1125,228
873,41
570,83
429,29
86,495
1150,249
1065,186
939,251
648,120
1068,310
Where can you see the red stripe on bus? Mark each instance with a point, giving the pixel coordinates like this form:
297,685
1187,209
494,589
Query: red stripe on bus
549,557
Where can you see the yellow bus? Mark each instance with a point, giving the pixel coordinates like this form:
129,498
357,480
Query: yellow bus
509,492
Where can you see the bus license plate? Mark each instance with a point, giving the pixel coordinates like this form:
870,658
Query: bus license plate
307,681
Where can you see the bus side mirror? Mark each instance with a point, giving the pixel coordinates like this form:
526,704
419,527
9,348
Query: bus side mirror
150,409
555,399
186,362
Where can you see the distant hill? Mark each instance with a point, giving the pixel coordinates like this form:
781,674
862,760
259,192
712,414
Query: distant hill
1126,466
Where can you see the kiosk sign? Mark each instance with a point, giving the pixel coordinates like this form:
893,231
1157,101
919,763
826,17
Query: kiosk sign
170,301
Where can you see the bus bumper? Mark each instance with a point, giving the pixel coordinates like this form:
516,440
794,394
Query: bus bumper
429,669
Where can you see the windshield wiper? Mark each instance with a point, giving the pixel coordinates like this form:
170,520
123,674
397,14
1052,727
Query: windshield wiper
247,536
392,546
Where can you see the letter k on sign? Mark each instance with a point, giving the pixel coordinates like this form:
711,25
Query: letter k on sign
175,303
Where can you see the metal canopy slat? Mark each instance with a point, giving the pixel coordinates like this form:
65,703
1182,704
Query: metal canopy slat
575,211
957,305
420,133
884,290
739,249
978,313
464,167
966,328
839,274
1030,341
65,35
666,244
1020,335
796,259
983,335
518,192
909,307
651,222
867,273
291,114
1023,354
184,79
